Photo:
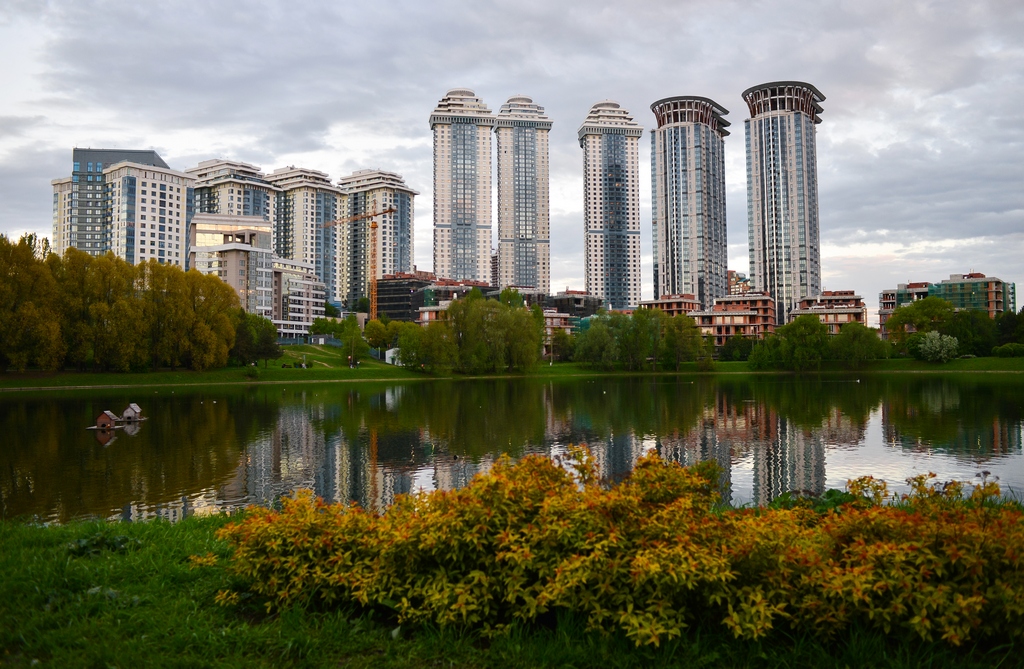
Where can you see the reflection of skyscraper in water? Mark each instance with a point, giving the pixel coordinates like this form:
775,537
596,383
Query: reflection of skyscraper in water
792,462
918,426
287,458
708,440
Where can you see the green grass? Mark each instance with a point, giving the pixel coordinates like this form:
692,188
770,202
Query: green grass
96,594
327,363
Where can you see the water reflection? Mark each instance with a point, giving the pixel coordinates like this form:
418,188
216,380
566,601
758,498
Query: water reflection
209,450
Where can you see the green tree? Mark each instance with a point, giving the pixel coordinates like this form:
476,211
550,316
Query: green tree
856,344
636,336
1009,326
596,346
511,297
244,348
266,348
326,326
974,330
805,342
736,348
331,311
680,342
212,331
376,334
925,315
562,344
352,342
363,305
935,347
30,329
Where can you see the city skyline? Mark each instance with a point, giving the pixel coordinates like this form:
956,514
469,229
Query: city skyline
918,160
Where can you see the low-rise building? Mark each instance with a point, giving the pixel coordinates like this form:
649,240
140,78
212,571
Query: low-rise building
673,305
891,299
834,308
976,292
578,303
739,282
751,315
239,250
298,297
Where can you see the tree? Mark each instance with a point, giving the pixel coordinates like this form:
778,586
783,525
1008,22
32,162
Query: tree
331,311
511,297
266,347
924,315
974,331
352,342
596,346
681,341
244,348
30,332
736,348
637,335
376,334
935,347
768,354
805,342
1009,327
326,326
363,305
856,344
562,344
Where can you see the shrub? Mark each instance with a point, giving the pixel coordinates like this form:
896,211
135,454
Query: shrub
935,347
1011,350
651,556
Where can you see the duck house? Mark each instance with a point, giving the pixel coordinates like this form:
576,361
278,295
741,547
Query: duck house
106,420
132,413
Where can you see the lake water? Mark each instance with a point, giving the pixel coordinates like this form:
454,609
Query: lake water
221,448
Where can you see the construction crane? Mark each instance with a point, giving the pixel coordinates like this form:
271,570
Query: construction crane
373,248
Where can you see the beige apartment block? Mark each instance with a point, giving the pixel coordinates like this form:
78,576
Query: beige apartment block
461,124
239,250
367,191
524,219
307,200
233,188
609,138
298,297
148,213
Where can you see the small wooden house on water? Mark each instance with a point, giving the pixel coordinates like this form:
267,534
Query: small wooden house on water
106,420
132,413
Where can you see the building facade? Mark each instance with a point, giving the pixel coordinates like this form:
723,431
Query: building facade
367,191
239,250
751,315
298,297
782,191
688,199
674,305
890,299
84,210
461,124
610,139
306,200
524,220
977,292
233,188
834,308
149,213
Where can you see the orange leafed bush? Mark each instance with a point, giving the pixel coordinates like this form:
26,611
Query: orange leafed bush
649,556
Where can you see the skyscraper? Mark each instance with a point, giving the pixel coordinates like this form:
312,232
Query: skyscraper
688,182
610,138
524,220
306,199
782,191
127,202
367,191
233,188
461,124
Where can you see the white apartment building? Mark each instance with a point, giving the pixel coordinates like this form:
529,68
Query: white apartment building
462,124
149,212
82,214
524,218
367,191
233,188
306,199
610,139
239,250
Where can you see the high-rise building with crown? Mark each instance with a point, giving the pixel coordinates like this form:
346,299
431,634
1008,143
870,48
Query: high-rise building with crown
782,191
462,124
610,139
688,207
524,219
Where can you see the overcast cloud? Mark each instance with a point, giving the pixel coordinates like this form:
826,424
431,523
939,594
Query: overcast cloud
920,152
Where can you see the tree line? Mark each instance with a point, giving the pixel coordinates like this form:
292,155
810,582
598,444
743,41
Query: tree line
102,313
931,329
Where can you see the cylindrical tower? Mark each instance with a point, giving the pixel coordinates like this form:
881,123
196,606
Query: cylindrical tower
688,183
782,191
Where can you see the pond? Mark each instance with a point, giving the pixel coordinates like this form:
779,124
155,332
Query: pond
219,448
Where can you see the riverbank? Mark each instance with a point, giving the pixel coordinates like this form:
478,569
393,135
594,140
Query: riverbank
328,364
127,594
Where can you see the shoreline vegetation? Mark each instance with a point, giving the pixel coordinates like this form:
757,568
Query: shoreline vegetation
837,581
327,364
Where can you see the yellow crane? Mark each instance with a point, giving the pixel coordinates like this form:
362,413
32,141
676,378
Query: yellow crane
372,215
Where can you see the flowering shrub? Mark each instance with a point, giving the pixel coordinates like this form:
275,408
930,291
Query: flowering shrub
649,556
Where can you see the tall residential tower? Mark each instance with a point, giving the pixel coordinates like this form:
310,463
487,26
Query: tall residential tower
688,182
610,139
524,221
462,124
782,191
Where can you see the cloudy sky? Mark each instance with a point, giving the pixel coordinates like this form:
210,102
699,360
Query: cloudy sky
921,151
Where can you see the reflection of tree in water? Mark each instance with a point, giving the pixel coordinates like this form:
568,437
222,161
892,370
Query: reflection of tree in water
56,469
960,416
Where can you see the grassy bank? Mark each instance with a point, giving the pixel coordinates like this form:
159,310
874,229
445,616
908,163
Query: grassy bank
326,363
96,594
